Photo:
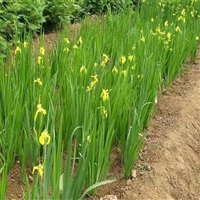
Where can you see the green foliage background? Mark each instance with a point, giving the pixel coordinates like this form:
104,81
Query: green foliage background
20,16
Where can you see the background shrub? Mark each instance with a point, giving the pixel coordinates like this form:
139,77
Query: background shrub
58,12
30,14
8,17
18,17
102,6
4,47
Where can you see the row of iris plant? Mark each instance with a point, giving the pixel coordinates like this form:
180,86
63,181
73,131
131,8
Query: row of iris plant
63,111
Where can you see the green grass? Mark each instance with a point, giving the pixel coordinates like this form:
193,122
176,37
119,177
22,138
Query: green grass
90,94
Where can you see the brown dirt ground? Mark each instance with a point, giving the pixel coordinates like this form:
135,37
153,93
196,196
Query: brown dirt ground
168,167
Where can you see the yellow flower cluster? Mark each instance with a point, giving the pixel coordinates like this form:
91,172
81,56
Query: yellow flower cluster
130,58
168,37
104,60
142,37
44,139
18,49
193,1
93,83
79,42
158,31
123,60
140,76
68,42
162,4
41,54
181,18
162,35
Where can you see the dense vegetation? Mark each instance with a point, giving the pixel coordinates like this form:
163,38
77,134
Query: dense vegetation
62,112
19,17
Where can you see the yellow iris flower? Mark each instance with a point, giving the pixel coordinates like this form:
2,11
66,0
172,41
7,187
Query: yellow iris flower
123,59
39,61
25,44
80,40
66,40
105,112
38,81
39,168
83,69
42,50
114,69
44,138
93,83
105,95
17,50
39,110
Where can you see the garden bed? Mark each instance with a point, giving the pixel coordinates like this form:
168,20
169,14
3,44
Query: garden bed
87,101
